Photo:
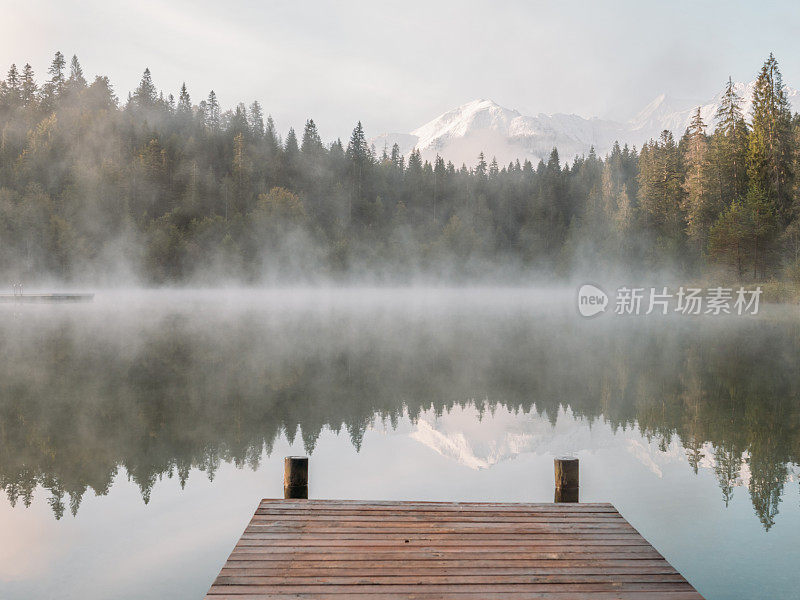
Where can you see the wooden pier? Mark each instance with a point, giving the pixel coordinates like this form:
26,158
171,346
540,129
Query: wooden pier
339,549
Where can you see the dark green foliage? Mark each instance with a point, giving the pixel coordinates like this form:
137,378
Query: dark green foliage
770,151
170,190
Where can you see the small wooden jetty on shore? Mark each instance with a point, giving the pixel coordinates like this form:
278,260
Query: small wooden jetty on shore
338,549
46,298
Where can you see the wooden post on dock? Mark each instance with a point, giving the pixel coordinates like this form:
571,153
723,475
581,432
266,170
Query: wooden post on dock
295,477
566,471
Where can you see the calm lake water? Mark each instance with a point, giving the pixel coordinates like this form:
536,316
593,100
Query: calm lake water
138,432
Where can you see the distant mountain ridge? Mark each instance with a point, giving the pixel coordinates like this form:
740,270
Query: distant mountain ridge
460,134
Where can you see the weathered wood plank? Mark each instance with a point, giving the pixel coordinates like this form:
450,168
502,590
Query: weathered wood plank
452,565
393,538
454,588
482,517
491,579
310,568
423,556
337,549
454,540
462,575
520,528
418,505
415,595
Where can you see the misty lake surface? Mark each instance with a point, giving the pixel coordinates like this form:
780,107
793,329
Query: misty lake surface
138,432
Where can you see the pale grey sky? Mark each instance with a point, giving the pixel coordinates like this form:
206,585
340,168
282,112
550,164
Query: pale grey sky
397,65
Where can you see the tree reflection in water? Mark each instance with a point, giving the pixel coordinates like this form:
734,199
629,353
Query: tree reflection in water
156,392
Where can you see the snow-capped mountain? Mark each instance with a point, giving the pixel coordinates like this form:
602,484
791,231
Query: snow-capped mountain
665,112
460,134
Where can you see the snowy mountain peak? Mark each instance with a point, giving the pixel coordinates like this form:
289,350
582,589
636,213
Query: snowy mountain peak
667,113
659,109
462,120
482,125
462,133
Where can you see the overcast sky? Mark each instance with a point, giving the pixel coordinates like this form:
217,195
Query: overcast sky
397,65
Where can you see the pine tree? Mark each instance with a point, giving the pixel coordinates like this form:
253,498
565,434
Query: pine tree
744,233
763,221
494,170
101,94
312,143
439,180
55,86
13,91
480,168
256,120
291,156
76,79
241,173
212,111
415,164
559,206
238,122
271,135
697,203
358,152
730,146
359,158
29,89
291,148
145,96
396,157
769,151
184,102
553,162
660,190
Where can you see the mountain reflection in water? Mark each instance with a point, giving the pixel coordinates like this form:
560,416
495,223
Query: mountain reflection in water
157,384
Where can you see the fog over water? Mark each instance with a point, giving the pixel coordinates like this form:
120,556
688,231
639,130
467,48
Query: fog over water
269,278
127,422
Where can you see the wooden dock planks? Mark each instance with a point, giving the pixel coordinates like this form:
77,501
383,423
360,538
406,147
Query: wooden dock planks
337,549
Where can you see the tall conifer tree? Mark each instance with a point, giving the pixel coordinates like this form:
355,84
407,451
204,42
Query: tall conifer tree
769,152
697,204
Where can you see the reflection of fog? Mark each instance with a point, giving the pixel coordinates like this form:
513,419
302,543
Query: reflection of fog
155,384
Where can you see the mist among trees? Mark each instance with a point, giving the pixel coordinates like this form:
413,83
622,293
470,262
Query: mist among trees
164,189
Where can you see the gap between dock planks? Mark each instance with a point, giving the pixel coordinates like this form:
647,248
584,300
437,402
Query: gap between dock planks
338,549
